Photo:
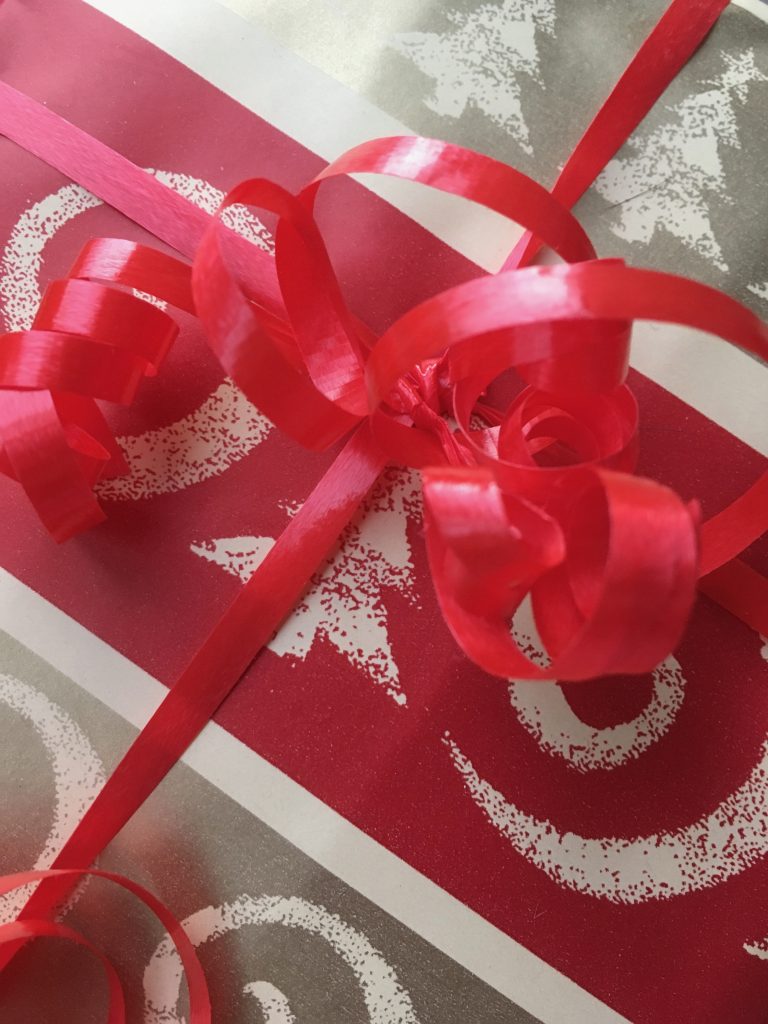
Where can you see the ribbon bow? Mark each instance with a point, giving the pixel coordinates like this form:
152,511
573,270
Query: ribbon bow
536,498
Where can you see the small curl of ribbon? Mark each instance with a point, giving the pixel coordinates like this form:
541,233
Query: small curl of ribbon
536,500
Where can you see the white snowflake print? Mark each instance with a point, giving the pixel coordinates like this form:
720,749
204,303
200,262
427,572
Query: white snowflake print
677,170
478,63
345,603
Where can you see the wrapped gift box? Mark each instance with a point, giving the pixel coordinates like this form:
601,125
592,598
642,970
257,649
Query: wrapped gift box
463,844
520,80
278,932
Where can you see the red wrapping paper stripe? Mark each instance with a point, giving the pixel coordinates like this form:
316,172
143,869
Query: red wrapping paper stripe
511,508
87,342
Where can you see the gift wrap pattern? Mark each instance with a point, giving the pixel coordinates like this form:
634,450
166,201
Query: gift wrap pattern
373,830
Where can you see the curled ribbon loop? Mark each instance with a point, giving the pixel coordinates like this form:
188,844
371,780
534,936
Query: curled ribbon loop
607,595
536,499
88,341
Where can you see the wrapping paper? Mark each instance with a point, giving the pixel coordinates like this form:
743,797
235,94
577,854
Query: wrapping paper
514,79
616,830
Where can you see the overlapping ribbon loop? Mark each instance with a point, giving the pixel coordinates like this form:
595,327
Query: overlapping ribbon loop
643,584
610,566
309,380
535,498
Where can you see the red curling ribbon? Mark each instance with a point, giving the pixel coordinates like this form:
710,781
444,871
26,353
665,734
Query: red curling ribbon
124,186
481,321
310,381
611,568
17,932
538,501
247,625
87,342
244,337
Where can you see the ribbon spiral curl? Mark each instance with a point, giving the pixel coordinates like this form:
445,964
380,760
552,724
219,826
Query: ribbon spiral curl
14,932
538,501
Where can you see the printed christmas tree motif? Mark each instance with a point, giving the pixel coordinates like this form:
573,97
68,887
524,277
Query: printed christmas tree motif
345,602
477,64
677,170
384,999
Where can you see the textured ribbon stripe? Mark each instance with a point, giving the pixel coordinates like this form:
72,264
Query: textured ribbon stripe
534,499
120,183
